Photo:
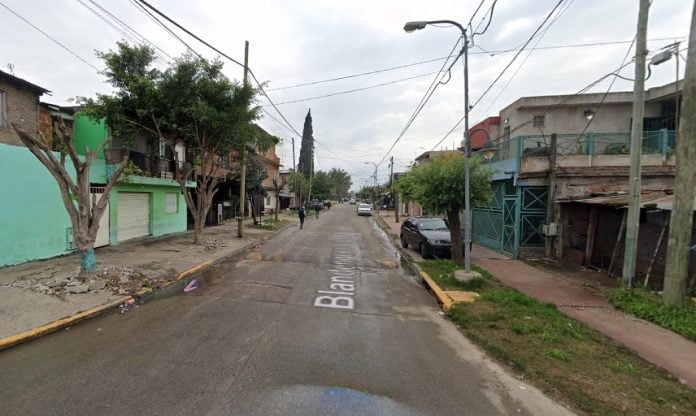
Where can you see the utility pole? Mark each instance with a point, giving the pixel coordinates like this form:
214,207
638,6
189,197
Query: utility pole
632,221
242,184
676,90
681,220
551,198
294,175
395,198
467,156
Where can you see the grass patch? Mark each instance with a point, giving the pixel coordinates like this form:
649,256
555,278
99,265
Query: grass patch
647,305
562,356
442,271
270,224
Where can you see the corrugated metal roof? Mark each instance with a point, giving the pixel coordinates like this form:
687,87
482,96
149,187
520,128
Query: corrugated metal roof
653,199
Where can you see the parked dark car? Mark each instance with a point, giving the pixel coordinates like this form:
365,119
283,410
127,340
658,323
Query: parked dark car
316,204
427,235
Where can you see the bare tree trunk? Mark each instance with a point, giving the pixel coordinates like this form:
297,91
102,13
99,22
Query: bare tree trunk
83,210
456,236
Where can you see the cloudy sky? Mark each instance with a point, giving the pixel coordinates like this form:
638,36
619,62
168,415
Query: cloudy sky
306,41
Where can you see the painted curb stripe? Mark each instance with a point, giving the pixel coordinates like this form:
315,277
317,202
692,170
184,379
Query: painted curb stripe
97,310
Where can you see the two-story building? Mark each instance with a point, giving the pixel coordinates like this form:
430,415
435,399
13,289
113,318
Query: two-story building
33,221
591,152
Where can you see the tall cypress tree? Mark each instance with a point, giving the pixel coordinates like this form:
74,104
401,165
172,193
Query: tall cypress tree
307,148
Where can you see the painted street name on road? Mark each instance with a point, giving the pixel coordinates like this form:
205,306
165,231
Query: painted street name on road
341,293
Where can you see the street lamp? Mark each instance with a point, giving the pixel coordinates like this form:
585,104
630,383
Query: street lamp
374,187
418,25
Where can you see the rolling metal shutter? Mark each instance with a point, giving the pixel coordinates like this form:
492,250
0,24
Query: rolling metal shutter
133,215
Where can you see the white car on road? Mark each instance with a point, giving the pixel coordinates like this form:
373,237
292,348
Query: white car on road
364,209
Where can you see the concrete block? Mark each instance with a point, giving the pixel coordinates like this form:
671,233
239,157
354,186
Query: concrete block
463,276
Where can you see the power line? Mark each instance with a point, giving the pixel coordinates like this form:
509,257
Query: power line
124,32
426,97
355,89
518,53
482,52
488,24
50,37
376,71
130,28
540,38
154,18
552,108
253,76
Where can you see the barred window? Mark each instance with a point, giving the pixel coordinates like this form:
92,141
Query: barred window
539,121
171,202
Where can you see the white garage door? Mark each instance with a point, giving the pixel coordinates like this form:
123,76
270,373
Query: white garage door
133,215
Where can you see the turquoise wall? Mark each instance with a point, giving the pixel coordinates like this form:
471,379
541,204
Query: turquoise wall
33,220
161,222
87,132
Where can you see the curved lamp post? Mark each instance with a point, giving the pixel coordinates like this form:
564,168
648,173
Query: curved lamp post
418,25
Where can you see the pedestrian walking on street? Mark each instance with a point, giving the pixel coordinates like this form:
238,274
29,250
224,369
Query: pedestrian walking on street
328,205
316,211
301,214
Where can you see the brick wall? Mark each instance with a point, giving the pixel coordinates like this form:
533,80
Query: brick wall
22,108
45,124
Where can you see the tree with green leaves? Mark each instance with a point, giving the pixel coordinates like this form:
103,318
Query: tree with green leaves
306,162
299,186
322,186
341,182
439,188
255,175
192,103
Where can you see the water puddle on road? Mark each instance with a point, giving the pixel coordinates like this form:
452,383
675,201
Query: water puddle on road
402,261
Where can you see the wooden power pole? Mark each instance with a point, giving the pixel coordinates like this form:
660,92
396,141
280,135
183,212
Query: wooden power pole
634,182
294,175
681,220
242,184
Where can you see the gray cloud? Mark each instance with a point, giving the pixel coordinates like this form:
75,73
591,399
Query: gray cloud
293,42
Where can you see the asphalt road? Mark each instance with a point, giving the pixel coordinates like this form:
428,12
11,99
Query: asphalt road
318,322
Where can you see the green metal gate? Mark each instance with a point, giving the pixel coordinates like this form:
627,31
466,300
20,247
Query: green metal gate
487,220
510,226
512,219
532,216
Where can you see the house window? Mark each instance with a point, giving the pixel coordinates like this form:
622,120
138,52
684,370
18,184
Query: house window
539,121
3,109
268,201
171,203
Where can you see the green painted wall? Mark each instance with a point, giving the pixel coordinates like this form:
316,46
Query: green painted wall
33,221
89,133
161,222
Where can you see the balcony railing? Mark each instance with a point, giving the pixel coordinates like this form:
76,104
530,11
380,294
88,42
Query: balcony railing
151,166
654,142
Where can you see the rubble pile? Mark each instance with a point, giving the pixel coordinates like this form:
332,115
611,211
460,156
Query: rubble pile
112,279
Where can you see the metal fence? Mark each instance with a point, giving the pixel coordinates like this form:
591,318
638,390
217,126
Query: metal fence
654,142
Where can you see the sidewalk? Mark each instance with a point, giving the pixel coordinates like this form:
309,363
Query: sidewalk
36,293
655,344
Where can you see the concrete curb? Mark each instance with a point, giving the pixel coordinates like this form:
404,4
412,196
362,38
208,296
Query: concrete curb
143,294
440,294
60,323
